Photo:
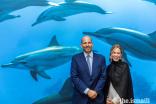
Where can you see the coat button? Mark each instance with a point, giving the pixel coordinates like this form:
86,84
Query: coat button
90,80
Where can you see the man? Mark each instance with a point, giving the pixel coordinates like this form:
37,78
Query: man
88,74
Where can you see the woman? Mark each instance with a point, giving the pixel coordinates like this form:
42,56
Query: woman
118,87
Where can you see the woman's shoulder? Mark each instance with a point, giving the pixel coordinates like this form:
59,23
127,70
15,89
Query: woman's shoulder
125,64
108,67
122,63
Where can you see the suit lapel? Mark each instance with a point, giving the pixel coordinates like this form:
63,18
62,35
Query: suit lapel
94,64
83,60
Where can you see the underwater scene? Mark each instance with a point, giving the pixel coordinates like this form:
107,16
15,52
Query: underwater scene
39,37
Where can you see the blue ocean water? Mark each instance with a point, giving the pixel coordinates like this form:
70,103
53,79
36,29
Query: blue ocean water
19,37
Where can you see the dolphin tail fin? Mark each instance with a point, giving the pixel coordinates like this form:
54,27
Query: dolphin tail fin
43,74
153,35
33,74
124,57
67,86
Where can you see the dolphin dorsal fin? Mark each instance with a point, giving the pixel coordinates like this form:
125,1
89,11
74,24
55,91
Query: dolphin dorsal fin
70,0
124,57
153,34
67,86
53,42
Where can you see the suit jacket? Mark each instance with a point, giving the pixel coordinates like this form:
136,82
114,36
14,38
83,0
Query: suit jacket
81,78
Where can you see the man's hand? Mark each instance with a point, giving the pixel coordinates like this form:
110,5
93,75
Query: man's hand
92,94
109,101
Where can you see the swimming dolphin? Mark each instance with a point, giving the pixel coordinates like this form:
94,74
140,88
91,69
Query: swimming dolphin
8,6
137,44
63,97
52,56
152,1
68,8
8,17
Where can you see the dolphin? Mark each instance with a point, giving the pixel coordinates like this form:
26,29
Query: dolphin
152,1
68,8
63,97
8,17
38,61
136,44
8,6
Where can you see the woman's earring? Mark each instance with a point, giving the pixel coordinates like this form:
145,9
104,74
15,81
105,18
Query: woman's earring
121,58
111,57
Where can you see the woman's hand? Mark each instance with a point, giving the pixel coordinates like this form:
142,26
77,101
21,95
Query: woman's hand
108,101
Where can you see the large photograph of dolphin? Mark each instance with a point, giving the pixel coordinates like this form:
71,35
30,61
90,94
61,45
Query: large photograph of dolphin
63,97
8,6
68,8
140,45
52,56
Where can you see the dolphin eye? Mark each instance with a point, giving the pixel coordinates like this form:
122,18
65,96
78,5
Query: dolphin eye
107,38
44,16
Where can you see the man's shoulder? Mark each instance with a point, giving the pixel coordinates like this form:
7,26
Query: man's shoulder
77,55
99,55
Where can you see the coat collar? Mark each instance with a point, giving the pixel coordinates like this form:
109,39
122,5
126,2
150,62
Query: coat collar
91,54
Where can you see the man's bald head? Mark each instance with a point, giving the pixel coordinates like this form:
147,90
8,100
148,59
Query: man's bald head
86,37
86,44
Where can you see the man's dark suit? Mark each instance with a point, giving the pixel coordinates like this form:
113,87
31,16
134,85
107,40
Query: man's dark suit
81,78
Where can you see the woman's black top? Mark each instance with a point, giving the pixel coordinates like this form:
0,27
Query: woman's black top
118,74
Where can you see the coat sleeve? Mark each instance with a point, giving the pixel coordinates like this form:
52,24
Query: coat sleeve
101,82
78,83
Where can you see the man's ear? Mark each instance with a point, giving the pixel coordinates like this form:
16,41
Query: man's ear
92,44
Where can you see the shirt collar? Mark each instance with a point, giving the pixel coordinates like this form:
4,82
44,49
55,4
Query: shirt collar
91,54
